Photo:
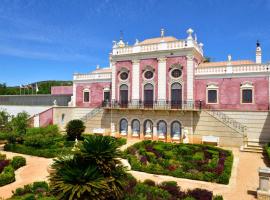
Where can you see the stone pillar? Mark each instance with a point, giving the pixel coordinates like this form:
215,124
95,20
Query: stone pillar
190,79
113,129
129,133
113,81
162,80
263,192
155,136
135,96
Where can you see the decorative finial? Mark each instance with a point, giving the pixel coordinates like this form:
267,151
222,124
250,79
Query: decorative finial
189,32
136,42
229,58
162,32
97,67
195,37
258,43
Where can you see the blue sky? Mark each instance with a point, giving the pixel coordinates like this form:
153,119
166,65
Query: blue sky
52,39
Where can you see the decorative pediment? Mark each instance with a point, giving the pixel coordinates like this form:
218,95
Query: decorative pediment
247,84
212,85
176,66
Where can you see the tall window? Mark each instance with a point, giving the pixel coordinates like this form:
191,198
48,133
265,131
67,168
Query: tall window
148,127
212,93
247,96
247,90
86,95
212,96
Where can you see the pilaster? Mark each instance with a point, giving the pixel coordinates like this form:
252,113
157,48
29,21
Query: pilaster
190,78
135,96
113,80
162,79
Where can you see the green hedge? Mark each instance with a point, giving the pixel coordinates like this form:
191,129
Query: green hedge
46,153
17,162
8,176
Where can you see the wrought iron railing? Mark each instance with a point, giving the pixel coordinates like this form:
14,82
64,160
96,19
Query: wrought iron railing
163,105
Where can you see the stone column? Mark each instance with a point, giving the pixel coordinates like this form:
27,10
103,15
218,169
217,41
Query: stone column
129,133
162,80
190,79
135,96
263,192
155,136
113,81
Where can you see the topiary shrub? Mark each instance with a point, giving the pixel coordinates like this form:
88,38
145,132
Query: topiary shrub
17,162
149,182
74,129
218,197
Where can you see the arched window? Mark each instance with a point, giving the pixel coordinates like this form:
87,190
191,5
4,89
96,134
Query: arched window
148,95
176,130
123,95
162,129
123,125
148,128
135,126
176,95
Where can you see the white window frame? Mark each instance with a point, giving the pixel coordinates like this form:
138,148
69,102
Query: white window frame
84,91
212,86
247,86
106,89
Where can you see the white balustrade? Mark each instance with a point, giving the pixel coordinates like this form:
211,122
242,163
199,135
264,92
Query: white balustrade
179,44
92,76
235,69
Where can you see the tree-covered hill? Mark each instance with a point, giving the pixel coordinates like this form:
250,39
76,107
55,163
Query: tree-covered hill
44,87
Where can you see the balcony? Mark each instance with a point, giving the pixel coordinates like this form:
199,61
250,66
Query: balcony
153,105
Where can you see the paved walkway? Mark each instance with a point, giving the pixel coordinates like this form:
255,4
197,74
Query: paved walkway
35,170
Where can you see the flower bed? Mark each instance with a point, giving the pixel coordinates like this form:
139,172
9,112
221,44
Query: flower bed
197,162
8,167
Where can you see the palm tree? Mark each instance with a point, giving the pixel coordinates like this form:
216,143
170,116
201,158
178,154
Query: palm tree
94,172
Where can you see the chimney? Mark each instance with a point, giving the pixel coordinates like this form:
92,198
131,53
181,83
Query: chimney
258,53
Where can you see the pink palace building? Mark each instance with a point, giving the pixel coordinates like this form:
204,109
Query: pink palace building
163,89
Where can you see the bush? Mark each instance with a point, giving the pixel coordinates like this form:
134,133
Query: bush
19,123
7,176
218,197
74,129
149,182
17,162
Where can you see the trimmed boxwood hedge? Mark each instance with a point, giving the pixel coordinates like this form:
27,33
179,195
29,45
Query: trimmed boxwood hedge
8,174
197,162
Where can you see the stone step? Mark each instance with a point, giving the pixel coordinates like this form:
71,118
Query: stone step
252,149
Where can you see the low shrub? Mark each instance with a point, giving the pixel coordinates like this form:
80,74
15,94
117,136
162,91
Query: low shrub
218,197
46,153
121,141
74,129
7,176
17,162
149,182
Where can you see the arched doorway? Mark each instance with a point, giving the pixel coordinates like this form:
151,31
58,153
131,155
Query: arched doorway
123,127
135,126
176,95
148,128
162,129
123,95
148,95
176,130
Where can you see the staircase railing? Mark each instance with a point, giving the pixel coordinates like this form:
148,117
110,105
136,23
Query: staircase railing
230,122
91,114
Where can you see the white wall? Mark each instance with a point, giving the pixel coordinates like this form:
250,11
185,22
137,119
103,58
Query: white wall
31,110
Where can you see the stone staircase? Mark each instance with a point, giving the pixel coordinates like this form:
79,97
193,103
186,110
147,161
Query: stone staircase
253,146
79,113
91,114
228,121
